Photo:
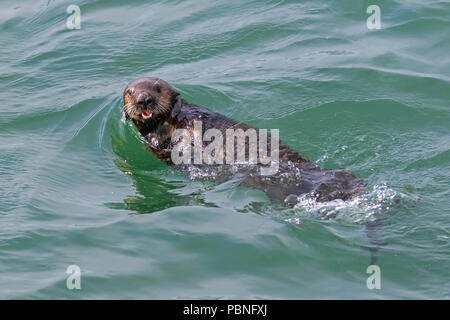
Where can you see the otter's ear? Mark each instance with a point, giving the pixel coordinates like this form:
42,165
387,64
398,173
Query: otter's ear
176,99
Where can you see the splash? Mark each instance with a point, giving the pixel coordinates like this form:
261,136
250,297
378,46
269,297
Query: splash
216,172
361,209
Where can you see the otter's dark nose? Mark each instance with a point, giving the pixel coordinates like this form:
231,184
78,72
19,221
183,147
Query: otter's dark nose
143,99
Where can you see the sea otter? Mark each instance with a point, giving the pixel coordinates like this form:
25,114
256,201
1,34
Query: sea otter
159,113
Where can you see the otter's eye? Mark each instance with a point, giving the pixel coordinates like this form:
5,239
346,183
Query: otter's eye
128,92
158,88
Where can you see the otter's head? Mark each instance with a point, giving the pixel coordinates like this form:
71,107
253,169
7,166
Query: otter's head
148,100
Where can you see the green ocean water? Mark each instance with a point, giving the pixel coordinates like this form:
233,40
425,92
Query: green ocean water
77,186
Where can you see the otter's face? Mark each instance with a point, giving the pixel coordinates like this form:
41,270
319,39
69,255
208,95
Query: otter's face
148,99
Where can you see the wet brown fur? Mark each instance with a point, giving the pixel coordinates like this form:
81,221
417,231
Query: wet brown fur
170,112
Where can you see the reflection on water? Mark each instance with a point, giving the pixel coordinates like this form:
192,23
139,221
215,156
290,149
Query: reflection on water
157,186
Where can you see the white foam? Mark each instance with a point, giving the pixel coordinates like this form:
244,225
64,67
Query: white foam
361,209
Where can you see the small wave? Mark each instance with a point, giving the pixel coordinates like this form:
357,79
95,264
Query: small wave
362,209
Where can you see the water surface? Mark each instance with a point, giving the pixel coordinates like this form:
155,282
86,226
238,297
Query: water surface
78,187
